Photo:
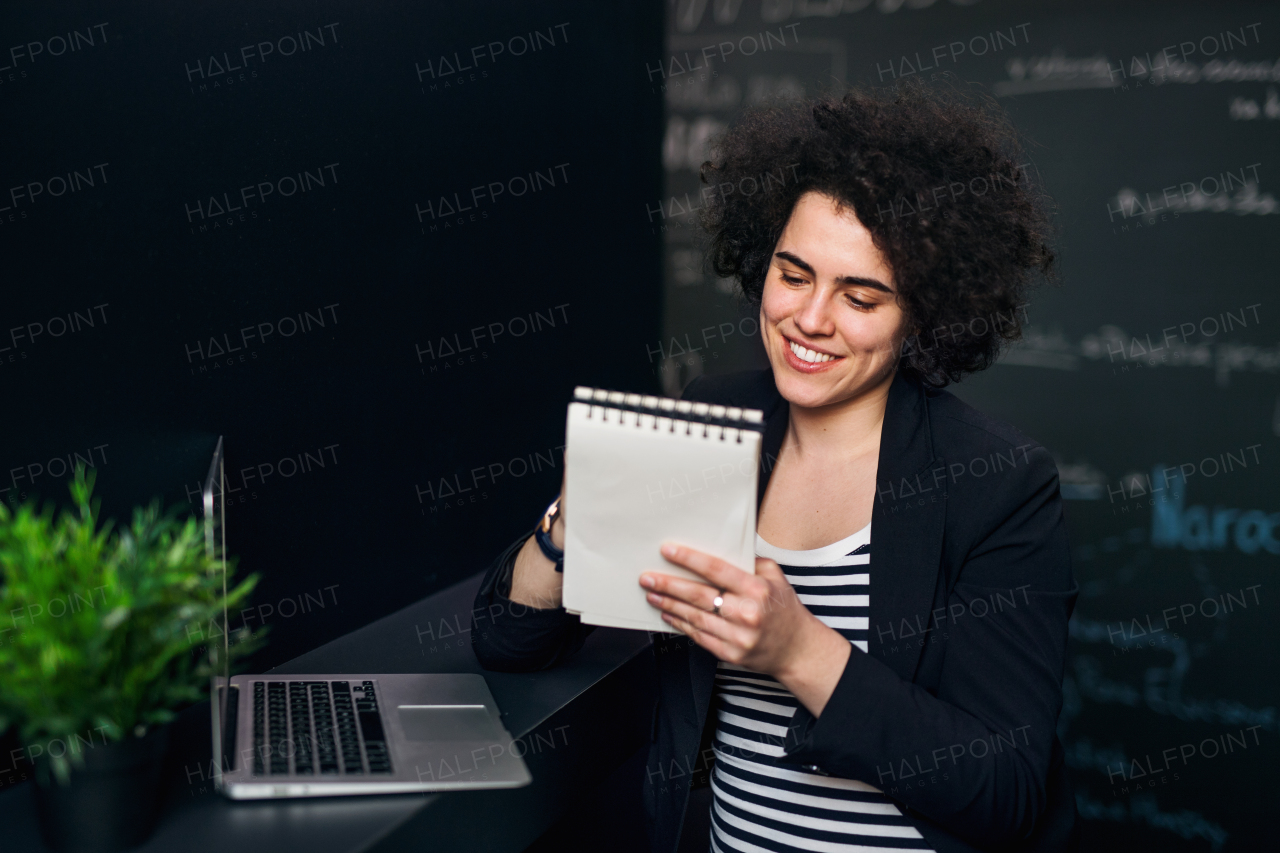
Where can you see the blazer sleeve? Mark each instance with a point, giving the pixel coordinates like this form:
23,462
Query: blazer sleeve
973,758
511,637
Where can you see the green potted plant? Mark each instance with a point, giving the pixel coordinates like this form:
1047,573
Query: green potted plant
101,644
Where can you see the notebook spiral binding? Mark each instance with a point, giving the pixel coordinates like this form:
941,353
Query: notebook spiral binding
684,412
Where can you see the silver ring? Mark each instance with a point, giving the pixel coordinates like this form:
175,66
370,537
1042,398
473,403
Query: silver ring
715,604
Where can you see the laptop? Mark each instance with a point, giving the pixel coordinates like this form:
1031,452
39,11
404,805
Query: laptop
347,733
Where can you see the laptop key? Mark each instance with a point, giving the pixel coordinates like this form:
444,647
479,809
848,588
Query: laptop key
277,728
348,737
322,711
259,726
300,719
375,742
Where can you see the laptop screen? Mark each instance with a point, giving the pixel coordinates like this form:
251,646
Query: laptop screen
215,540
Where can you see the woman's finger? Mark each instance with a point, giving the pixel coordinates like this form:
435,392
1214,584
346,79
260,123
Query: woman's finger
696,593
712,624
718,648
767,568
702,596
719,573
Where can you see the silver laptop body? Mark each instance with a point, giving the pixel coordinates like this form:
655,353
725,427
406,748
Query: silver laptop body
344,734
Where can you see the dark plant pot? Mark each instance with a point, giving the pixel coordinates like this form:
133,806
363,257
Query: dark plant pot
110,803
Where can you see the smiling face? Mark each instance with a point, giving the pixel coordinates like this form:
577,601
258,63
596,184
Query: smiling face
829,311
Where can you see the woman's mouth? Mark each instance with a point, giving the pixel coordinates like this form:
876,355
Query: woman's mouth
806,360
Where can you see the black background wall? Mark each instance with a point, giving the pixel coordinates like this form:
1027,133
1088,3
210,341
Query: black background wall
1174,639
374,245
156,295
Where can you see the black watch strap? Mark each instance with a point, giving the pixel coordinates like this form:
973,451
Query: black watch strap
543,535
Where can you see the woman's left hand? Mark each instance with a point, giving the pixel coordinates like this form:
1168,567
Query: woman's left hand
761,625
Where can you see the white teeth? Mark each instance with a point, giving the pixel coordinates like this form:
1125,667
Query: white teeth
809,355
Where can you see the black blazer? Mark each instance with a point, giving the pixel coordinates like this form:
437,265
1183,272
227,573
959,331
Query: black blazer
953,710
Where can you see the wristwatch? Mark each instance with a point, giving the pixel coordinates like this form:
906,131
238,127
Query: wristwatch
543,535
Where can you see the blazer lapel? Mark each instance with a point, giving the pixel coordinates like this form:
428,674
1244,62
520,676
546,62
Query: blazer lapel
906,530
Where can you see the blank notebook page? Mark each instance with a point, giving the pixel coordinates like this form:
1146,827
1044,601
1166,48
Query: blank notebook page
642,471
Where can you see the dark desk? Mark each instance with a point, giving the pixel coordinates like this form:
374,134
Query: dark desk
579,722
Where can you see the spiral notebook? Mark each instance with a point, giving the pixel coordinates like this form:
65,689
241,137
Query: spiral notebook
644,470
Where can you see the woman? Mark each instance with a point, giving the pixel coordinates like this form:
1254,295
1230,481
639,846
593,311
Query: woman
889,677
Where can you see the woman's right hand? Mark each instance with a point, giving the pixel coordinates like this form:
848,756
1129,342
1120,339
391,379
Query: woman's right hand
534,580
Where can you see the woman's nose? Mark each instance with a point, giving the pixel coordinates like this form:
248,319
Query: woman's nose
813,316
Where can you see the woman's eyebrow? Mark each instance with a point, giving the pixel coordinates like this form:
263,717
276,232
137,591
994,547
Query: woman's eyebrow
843,279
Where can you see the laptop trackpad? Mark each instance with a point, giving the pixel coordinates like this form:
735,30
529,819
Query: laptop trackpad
446,722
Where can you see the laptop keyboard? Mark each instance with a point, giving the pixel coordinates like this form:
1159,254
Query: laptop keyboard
324,728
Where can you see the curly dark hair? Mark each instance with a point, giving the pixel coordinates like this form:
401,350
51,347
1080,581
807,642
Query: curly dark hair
936,175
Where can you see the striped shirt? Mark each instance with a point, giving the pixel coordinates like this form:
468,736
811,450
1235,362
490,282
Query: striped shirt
761,804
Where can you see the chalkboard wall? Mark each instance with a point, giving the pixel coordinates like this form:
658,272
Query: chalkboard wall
1150,371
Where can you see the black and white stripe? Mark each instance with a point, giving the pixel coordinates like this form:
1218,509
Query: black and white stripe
761,804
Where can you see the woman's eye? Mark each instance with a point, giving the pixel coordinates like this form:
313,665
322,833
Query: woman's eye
865,306
790,279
